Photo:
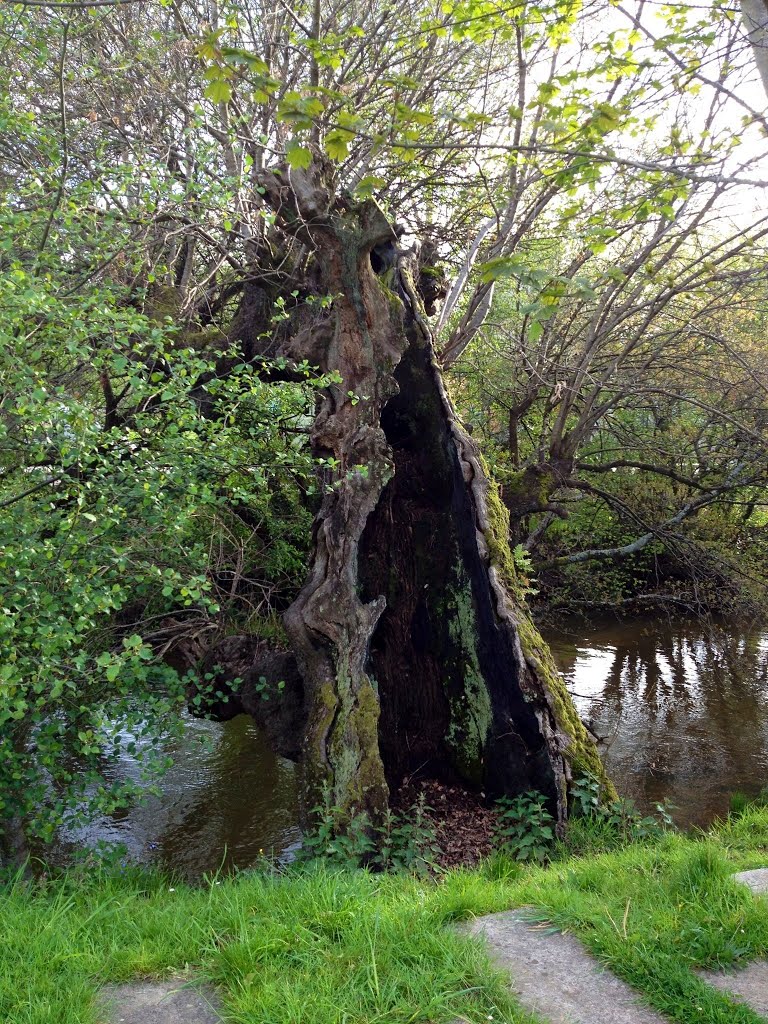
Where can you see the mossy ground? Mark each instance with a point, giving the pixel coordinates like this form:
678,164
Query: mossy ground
321,947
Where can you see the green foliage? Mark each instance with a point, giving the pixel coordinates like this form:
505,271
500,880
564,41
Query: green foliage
403,842
145,495
524,569
103,526
406,842
597,824
525,828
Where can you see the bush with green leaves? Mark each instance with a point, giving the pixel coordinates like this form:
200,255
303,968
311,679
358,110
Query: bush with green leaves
135,479
525,829
597,825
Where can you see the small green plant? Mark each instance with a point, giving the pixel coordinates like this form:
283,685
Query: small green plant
628,823
618,822
524,567
407,842
585,796
341,845
262,687
402,843
525,827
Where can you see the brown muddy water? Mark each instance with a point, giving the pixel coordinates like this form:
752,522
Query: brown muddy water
683,708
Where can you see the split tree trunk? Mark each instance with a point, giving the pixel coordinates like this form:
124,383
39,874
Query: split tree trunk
416,651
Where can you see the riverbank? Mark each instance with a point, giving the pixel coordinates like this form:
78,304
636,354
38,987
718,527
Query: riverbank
322,947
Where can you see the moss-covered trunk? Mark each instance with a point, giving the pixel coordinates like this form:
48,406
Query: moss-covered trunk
415,647
468,690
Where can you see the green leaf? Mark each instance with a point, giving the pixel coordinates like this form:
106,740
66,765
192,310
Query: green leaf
368,185
336,144
535,330
219,91
297,155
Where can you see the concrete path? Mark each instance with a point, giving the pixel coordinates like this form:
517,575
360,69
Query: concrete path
748,984
757,880
554,976
159,1002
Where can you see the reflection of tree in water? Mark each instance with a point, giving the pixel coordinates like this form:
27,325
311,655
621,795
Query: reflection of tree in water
247,804
689,705
733,672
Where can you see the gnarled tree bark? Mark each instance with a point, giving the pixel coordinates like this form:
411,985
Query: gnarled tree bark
415,648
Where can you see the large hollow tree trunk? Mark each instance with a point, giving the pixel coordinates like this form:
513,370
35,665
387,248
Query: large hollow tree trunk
416,651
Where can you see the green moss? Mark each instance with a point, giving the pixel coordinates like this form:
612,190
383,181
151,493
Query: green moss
163,301
582,753
532,484
321,711
387,284
357,772
471,713
201,341
498,540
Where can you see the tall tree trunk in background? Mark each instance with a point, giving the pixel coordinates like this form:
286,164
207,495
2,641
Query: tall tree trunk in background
754,15
413,640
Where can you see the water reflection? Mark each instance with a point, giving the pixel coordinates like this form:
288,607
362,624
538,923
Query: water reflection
227,799
683,708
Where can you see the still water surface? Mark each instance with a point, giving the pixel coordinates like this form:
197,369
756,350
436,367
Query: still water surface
227,800
683,707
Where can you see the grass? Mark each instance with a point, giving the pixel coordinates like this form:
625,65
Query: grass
323,947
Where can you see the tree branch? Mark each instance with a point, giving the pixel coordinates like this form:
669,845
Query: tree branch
64,142
75,5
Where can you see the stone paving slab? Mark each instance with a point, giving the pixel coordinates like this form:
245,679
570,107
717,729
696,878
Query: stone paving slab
159,1002
554,976
748,984
757,880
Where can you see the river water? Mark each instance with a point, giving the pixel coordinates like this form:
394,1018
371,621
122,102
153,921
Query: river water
226,802
683,708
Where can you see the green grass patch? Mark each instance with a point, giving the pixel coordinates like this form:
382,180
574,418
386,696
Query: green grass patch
335,947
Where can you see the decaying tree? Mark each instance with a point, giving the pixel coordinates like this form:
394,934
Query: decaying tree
415,649
414,645
238,159
206,192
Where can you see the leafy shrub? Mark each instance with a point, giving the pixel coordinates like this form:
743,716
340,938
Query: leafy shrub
525,827
597,825
401,843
